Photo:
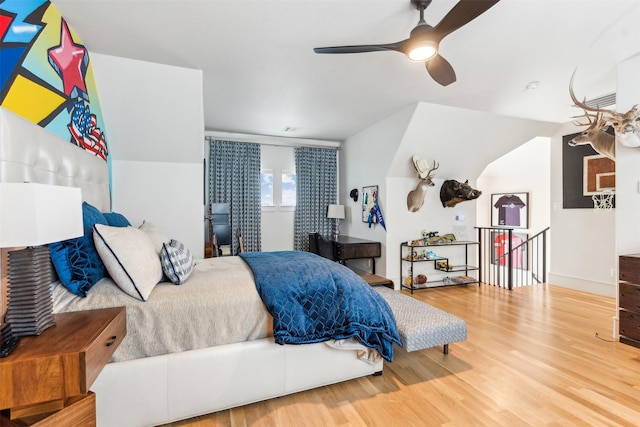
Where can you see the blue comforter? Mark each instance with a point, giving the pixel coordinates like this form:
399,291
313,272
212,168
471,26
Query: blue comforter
313,299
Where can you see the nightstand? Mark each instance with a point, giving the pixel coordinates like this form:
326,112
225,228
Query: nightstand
45,381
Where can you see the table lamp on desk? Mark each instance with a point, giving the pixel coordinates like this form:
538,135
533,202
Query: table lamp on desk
32,215
336,212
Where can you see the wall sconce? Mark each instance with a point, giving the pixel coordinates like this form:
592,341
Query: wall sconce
336,212
32,215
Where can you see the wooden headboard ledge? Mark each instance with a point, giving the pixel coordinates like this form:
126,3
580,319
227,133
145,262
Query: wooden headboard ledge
29,153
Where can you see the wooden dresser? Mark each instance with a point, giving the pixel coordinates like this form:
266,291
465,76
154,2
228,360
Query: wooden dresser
629,299
45,381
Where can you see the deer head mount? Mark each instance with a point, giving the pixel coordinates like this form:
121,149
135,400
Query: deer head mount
415,198
625,125
595,135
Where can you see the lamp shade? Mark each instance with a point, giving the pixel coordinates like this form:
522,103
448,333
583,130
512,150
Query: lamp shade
36,214
335,211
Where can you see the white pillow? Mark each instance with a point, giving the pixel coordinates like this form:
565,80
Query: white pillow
157,237
177,261
129,257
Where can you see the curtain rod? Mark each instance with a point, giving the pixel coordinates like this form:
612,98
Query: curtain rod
271,140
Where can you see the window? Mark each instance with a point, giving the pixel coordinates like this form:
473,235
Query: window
278,179
266,187
288,188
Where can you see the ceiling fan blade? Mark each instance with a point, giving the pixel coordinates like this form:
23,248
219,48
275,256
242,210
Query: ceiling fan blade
361,48
462,13
441,71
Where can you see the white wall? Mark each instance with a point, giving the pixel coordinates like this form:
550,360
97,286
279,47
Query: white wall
154,121
432,216
628,165
462,141
277,221
524,170
365,159
582,242
585,246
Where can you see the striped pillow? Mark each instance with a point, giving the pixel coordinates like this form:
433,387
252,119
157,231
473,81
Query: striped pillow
177,261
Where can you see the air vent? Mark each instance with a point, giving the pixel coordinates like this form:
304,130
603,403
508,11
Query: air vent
602,101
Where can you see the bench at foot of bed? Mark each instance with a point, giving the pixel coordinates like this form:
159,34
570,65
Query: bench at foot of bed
375,280
421,325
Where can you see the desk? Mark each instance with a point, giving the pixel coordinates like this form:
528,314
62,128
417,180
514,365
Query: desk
345,247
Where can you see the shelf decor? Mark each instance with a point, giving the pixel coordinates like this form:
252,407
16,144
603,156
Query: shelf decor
417,254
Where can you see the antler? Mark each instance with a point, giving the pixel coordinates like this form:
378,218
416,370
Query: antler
435,166
583,104
593,120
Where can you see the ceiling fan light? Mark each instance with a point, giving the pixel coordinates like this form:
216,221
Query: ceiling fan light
423,51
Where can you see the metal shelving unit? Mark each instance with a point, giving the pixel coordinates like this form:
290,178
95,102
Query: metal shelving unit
418,253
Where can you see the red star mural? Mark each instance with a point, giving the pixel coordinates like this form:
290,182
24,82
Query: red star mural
70,60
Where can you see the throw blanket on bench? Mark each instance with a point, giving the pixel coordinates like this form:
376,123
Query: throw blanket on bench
313,299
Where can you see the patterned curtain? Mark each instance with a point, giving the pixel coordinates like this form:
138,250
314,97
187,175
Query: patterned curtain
317,182
234,178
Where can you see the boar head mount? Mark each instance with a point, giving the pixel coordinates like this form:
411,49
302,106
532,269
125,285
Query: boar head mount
453,192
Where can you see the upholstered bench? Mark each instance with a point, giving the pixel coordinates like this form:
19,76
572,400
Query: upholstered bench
421,325
375,280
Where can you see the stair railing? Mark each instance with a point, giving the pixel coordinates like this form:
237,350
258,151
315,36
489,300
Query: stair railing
509,259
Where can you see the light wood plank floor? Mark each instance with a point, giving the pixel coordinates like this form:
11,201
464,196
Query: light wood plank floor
532,358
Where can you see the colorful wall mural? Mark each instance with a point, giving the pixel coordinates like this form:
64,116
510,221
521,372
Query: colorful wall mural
46,76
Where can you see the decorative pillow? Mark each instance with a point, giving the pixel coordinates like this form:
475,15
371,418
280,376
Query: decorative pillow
130,259
115,219
76,261
158,238
177,261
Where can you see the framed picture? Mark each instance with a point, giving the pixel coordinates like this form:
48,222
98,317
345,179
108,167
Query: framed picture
500,249
585,173
369,199
510,210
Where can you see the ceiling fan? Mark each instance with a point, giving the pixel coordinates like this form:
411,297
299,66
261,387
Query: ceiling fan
424,40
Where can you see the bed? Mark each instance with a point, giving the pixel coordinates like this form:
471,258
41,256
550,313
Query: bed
159,387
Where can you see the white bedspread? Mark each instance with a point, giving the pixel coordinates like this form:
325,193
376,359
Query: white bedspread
217,305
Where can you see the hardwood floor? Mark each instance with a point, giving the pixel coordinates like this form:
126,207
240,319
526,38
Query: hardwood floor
532,358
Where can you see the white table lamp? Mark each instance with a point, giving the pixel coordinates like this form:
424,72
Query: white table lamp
336,212
32,215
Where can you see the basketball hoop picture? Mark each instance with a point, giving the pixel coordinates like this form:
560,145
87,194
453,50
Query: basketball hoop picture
603,202
588,177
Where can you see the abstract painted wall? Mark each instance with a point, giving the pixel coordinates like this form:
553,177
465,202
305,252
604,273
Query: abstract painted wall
46,75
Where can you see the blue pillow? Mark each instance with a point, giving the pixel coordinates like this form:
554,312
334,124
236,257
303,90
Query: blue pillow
115,219
76,261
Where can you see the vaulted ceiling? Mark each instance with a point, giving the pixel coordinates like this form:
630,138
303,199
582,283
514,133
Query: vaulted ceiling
261,75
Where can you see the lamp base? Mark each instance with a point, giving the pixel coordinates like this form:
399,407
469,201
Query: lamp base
9,341
30,307
336,233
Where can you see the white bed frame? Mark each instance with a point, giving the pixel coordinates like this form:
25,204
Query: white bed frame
162,389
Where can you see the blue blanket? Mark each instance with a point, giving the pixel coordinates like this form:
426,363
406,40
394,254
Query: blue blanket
313,299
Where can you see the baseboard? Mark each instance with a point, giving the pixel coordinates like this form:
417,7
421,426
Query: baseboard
598,288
